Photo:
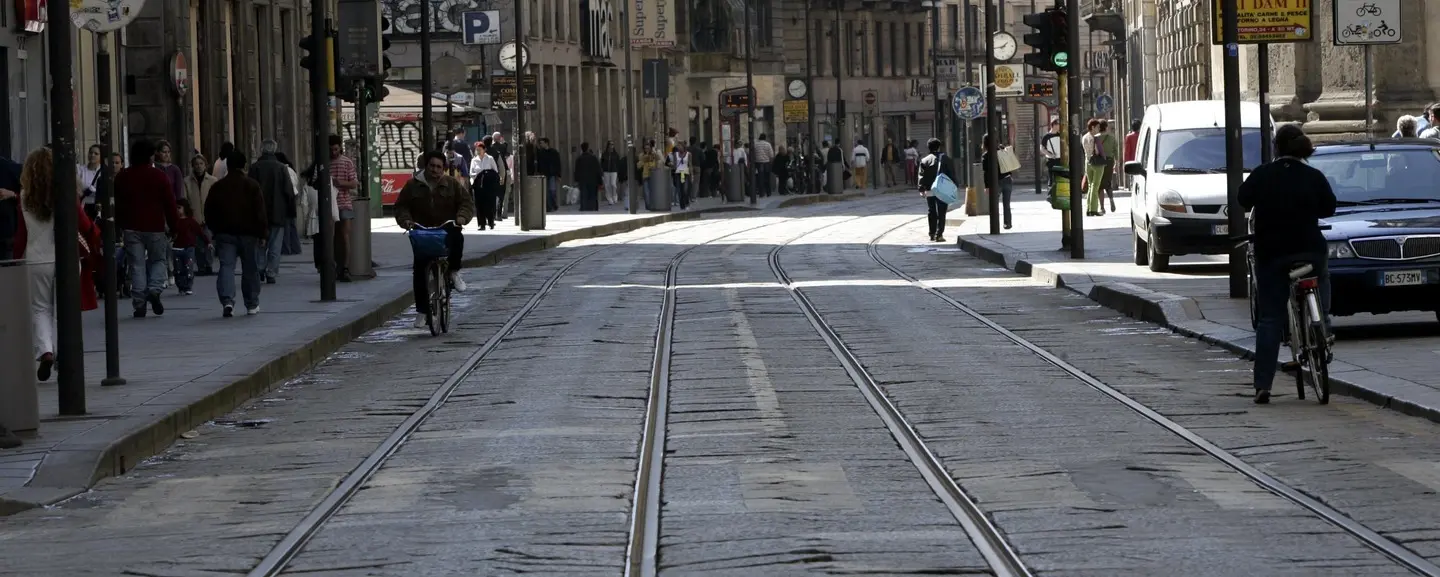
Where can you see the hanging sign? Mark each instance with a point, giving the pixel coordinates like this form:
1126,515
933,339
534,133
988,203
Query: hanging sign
104,15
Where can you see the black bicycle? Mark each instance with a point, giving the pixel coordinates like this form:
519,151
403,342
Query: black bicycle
429,243
1308,331
1367,8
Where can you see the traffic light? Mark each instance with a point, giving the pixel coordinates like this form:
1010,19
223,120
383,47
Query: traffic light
1051,40
384,47
310,51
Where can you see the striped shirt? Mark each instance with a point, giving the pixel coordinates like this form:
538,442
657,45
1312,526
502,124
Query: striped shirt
343,169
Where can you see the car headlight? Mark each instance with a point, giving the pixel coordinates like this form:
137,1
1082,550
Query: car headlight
1171,201
1340,250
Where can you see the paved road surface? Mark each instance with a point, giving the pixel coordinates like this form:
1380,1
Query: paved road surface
775,463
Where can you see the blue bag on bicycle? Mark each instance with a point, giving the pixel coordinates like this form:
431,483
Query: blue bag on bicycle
429,242
945,189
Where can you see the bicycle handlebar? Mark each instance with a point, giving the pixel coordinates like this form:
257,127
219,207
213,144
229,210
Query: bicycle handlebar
416,226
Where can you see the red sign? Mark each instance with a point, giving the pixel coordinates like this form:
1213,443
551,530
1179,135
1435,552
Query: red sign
180,74
390,184
30,15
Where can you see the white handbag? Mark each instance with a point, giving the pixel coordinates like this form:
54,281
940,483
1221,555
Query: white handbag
1007,161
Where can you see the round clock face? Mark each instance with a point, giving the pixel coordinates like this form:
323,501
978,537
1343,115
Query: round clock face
1004,46
797,88
513,57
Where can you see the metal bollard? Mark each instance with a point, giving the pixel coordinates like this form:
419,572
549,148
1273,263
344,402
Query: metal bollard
977,187
835,178
360,249
660,189
532,203
19,399
734,183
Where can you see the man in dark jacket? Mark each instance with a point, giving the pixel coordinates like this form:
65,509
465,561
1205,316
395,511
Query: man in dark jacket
235,212
145,211
432,200
547,161
610,168
589,175
279,193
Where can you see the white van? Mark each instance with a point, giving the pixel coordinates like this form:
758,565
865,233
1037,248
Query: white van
1180,188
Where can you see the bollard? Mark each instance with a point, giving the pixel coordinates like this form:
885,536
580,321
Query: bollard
19,399
360,248
734,183
976,190
835,178
660,189
532,203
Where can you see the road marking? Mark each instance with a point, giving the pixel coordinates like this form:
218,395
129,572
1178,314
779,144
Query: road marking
1424,472
757,375
1226,487
1020,485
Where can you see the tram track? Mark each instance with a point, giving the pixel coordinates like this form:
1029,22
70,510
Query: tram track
643,531
1391,549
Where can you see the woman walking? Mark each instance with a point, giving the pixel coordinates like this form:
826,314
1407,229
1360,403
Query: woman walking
929,170
35,242
1005,180
89,174
485,186
197,190
291,246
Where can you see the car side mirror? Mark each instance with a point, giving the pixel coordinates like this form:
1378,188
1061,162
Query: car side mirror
1135,168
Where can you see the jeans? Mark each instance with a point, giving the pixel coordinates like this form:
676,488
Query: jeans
552,184
148,253
273,246
936,215
1007,186
184,268
1272,297
681,184
455,246
204,255
247,249
762,178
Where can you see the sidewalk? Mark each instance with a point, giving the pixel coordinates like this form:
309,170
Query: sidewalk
1385,359
191,365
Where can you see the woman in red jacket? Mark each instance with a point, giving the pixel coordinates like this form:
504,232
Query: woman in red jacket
35,242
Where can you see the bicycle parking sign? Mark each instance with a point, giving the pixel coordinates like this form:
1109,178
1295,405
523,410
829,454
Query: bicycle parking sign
1367,22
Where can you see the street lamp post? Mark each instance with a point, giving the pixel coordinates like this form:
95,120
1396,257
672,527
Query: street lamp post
750,113
70,345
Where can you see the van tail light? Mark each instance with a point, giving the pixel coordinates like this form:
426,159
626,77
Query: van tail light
1308,284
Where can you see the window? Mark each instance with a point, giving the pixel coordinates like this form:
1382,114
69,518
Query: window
1202,149
764,23
896,60
953,32
817,39
835,49
847,59
1405,173
877,57
909,52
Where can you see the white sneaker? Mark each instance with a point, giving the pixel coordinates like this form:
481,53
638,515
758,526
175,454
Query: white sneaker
252,311
457,283
420,322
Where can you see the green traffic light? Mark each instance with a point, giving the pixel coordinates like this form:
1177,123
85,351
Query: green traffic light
1062,59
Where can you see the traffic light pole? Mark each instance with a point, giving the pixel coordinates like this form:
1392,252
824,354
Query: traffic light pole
1234,153
70,353
1077,158
320,128
992,119
427,121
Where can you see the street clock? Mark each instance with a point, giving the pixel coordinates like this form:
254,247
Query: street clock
798,89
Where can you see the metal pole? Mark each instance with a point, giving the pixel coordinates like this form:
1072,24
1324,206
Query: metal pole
104,196
361,247
969,79
70,353
1234,153
992,117
1075,104
839,93
939,103
750,113
1041,123
521,55
1369,94
813,182
1267,128
427,123
320,128
631,161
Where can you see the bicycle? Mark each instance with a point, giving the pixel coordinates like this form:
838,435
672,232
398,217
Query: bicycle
1367,8
1309,333
429,243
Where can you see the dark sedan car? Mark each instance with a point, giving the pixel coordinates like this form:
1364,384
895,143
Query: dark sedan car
1384,240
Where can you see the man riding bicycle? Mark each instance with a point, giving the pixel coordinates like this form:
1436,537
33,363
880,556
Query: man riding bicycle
1289,198
433,199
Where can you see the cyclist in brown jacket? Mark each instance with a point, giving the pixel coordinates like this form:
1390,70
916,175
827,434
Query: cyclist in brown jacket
431,200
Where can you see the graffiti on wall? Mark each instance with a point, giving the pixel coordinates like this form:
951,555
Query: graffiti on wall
398,145
446,16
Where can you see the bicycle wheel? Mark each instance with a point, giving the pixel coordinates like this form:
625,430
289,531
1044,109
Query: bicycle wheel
1314,365
433,319
444,298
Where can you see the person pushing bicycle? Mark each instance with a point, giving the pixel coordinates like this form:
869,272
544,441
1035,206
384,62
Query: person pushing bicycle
1289,198
434,199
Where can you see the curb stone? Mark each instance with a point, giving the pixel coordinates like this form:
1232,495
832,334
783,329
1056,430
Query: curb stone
1184,316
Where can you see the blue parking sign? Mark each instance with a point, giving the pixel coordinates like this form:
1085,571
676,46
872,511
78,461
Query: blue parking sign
481,27
969,103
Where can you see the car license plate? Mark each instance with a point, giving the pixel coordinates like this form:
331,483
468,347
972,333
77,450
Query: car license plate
1403,278
1222,230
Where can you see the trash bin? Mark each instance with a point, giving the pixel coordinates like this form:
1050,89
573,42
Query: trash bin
532,203
734,183
19,399
660,189
360,240
835,178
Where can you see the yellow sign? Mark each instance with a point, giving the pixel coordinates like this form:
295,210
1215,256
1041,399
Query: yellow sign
797,111
1009,80
1264,21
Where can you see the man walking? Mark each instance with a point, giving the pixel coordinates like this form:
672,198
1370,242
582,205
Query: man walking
279,195
547,161
610,167
240,224
145,211
589,175
860,159
764,157
347,182
890,162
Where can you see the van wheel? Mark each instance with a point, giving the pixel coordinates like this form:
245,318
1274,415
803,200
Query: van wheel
1158,262
1141,250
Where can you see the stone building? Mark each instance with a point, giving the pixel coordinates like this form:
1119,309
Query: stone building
243,61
